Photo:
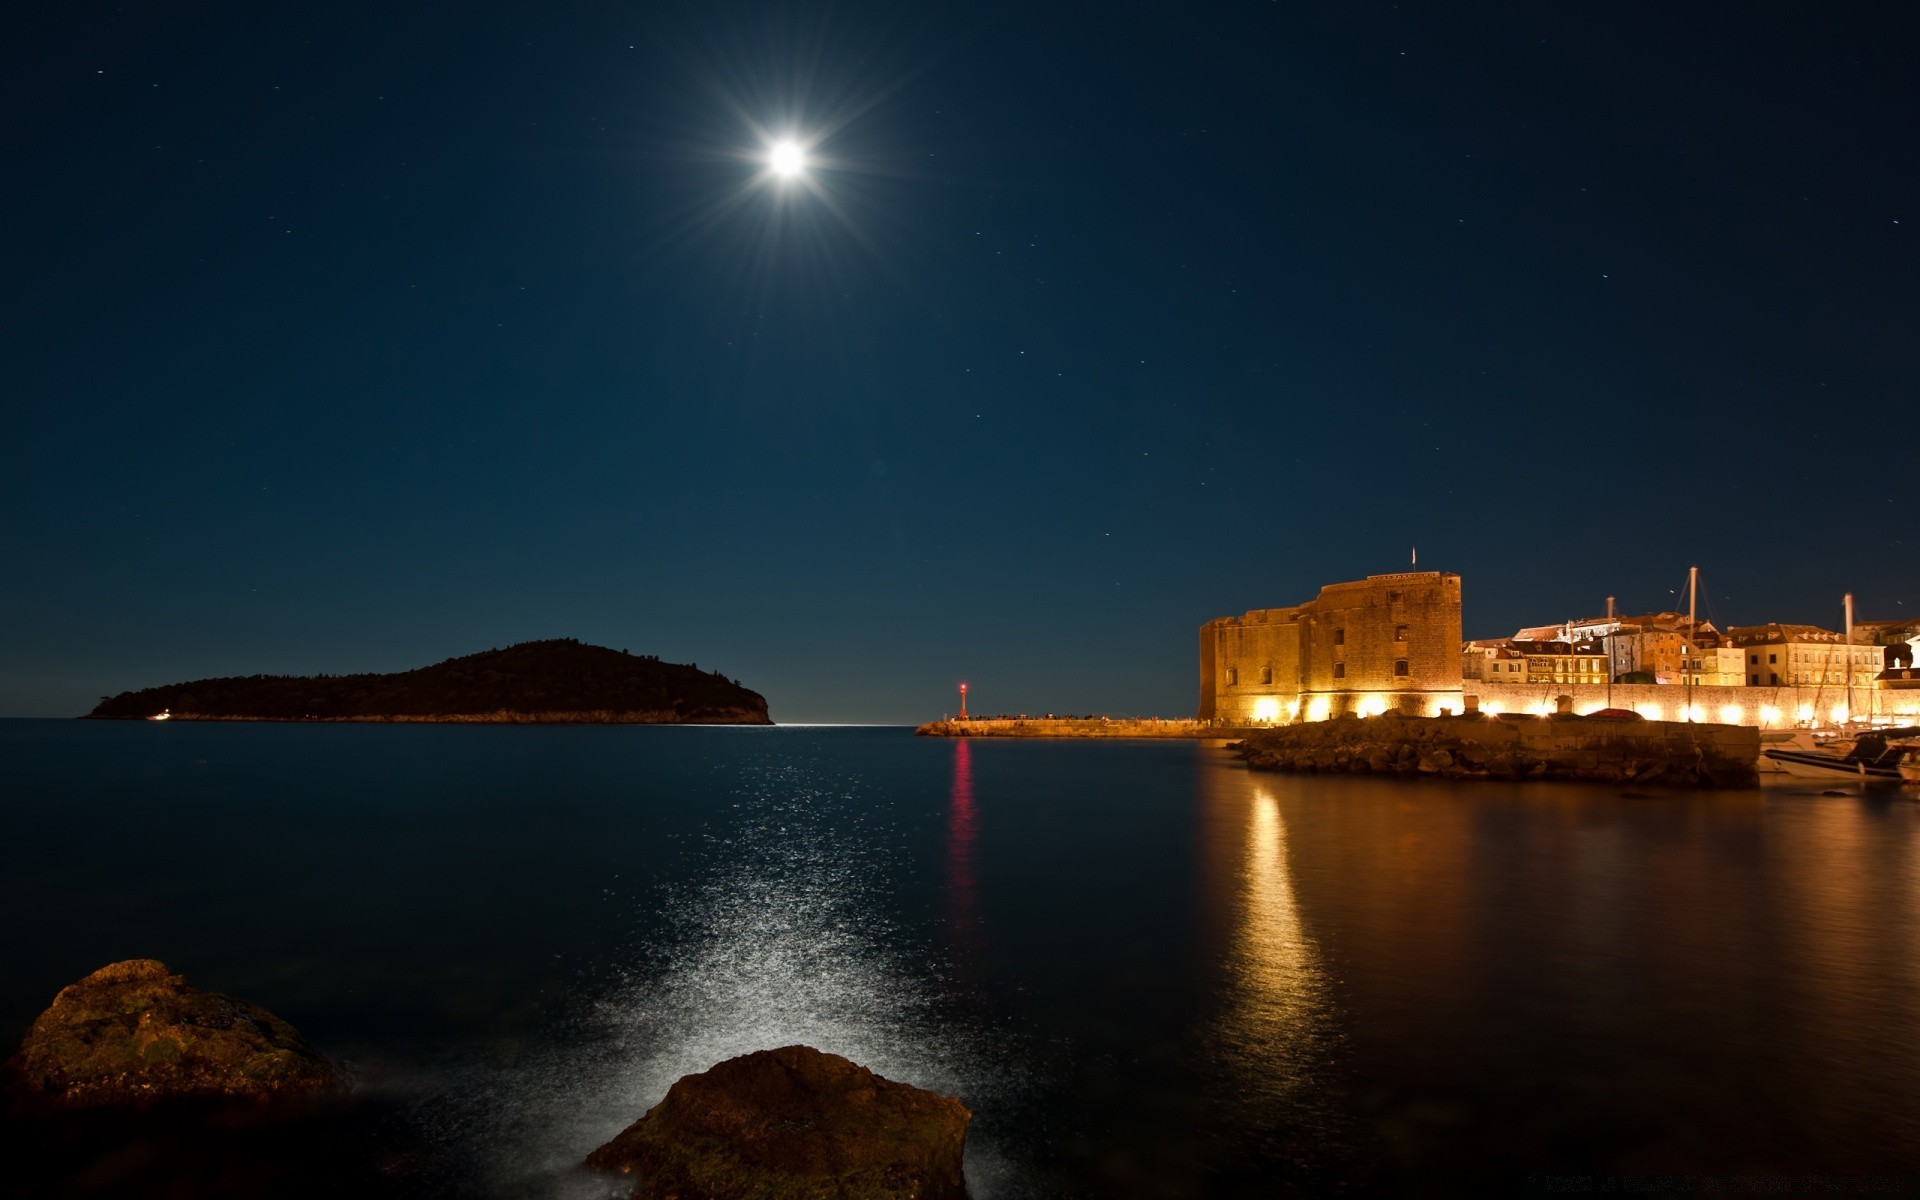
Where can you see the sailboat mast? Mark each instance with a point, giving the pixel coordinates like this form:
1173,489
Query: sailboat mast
1693,632
1849,654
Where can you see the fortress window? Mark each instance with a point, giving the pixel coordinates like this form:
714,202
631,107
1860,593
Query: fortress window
1233,676
1399,666
1340,637
1393,597
1772,658
1339,670
1266,674
1399,633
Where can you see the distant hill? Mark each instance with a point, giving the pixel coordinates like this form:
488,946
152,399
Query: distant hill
561,680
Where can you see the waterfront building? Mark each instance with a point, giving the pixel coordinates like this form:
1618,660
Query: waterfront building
1564,662
1714,661
1804,656
1392,642
1492,659
1385,642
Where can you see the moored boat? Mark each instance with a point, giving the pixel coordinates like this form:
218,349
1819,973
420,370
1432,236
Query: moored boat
1876,756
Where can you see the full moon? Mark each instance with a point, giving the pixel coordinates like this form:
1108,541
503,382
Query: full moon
786,159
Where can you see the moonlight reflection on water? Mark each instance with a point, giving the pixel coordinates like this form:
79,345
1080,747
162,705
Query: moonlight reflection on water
781,938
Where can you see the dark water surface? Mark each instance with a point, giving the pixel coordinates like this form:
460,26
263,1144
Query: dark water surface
1149,972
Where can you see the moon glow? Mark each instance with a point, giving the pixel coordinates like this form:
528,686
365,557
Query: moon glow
786,159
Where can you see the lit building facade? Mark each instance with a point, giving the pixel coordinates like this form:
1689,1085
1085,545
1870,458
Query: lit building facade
1385,642
1804,656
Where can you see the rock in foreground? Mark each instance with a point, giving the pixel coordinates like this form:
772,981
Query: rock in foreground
793,1123
134,1033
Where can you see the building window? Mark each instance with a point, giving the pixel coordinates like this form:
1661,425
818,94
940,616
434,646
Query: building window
1753,681
1339,670
1339,637
1399,633
1233,676
1775,679
1393,597
1772,659
1400,666
1266,674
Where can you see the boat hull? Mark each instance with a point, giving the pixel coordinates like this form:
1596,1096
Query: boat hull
1812,764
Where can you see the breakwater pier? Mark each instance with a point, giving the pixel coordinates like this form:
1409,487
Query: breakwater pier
1080,727
1562,746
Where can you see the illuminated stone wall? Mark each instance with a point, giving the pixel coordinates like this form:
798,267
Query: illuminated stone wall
1388,641
1765,707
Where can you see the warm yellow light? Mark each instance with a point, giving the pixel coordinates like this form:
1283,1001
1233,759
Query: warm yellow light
1733,714
1769,715
1319,709
1539,708
1839,714
1694,713
1266,709
1372,706
1652,712
1493,708
1293,710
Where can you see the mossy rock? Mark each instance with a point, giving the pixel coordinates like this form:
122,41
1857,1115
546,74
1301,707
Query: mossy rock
793,1124
134,1033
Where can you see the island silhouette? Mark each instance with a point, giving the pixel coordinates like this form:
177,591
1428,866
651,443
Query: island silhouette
559,681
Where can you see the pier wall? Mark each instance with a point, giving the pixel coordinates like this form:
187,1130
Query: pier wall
1568,748
1760,707
1056,727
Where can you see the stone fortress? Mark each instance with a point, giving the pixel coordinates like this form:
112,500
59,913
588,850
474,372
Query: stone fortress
1392,643
1388,642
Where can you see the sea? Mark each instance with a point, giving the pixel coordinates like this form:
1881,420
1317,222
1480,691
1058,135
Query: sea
1147,971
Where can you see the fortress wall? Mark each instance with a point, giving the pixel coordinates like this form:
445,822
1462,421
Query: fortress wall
1759,707
1763,707
1249,661
1277,664
1371,625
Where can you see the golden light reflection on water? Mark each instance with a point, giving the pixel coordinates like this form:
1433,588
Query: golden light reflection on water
1273,1026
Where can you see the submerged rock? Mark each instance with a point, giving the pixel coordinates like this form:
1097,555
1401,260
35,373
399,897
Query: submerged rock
134,1033
793,1122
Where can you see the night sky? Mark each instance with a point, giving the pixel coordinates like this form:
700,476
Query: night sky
354,337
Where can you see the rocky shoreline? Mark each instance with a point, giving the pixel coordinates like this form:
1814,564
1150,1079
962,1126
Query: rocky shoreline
133,1082
1567,748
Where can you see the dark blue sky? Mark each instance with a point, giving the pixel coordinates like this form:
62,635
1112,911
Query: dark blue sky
361,336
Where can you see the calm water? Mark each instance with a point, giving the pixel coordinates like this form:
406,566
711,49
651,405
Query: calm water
1149,972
